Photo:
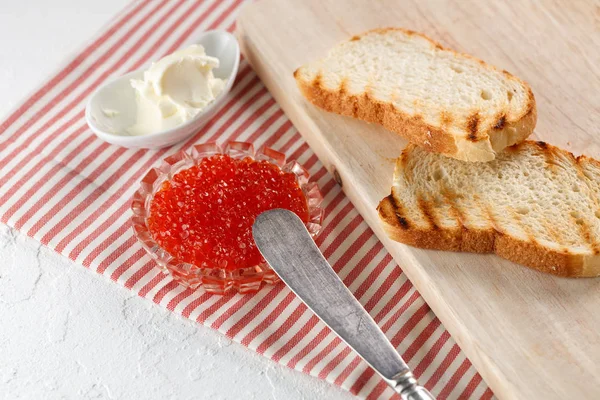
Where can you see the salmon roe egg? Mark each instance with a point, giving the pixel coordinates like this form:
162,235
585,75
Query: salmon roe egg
204,215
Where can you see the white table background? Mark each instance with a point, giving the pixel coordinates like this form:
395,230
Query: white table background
68,333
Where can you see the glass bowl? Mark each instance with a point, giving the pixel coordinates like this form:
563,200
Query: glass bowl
216,280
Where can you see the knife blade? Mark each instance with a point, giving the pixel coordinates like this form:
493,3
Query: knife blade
288,248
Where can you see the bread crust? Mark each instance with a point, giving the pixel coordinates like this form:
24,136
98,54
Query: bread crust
463,239
413,127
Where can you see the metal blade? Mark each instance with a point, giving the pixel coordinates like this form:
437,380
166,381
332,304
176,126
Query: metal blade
287,246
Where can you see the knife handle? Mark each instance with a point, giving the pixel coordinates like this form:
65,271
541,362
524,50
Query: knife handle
407,387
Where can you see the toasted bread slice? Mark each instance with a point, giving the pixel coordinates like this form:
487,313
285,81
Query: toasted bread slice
445,101
535,204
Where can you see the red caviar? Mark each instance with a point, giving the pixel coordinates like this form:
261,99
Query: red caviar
204,215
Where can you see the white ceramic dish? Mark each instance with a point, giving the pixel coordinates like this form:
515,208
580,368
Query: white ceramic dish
118,95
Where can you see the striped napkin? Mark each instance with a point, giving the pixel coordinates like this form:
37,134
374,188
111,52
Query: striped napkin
71,191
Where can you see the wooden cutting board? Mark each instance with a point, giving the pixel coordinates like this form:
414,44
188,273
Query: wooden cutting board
530,335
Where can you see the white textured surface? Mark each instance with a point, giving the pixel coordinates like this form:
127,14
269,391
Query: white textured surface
68,333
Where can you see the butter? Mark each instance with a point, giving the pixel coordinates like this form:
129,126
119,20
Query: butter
110,113
174,90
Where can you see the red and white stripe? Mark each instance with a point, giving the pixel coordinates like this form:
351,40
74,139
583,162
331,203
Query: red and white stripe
66,188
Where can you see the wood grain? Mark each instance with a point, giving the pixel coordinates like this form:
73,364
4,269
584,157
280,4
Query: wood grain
530,335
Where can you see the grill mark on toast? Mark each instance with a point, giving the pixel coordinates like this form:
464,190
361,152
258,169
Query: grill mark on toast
554,234
586,234
472,124
355,106
404,157
526,228
587,179
398,212
318,79
445,118
589,238
548,155
403,161
393,98
354,38
352,102
501,122
344,86
488,213
581,174
530,102
409,33
317,82
449,198
368,91
428,212
585,230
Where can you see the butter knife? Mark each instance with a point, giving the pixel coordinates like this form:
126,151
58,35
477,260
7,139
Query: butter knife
286,245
